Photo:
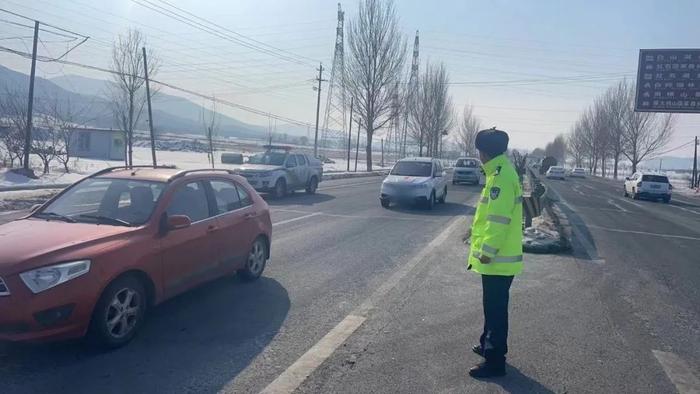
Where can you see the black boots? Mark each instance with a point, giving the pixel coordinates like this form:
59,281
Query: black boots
477,349
487,370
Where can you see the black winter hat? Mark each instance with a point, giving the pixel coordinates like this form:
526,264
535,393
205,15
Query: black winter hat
491,141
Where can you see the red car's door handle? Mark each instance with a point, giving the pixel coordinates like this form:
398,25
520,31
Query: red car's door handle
250,215
212,228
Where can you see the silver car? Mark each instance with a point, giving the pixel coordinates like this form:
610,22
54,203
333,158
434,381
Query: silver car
415,180
467,169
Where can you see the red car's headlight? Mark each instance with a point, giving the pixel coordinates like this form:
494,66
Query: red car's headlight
44,278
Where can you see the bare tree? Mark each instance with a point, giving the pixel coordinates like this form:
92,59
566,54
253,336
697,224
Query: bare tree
519,161
377,55
432,112
46,143
557,149
616,107
468,128
576,144
646,133
210,122
128,92
13,120
63,117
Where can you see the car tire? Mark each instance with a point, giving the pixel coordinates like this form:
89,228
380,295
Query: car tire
385,202
430,203
119,313
444,196
255,263
312,186
635,196
625,192
280,188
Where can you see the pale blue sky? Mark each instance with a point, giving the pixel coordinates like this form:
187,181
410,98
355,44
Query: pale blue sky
477,40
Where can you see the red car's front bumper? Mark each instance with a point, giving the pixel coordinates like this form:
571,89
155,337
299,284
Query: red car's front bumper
62,312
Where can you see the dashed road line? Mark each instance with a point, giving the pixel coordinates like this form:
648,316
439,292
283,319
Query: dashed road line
616,205
301,369
296,218
618,230
346,185
680,374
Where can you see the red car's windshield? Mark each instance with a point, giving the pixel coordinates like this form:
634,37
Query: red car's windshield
106,201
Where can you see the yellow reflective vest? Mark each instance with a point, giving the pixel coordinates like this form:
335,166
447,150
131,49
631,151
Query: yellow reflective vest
497,227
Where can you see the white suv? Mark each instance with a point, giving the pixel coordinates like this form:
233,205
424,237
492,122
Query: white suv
415,180
556,172
651,186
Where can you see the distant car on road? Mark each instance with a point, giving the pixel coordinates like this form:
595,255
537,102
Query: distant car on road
467,169
556,172
415,180
649,186
94,259
577,172
279,171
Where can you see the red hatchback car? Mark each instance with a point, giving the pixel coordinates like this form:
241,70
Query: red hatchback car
93,259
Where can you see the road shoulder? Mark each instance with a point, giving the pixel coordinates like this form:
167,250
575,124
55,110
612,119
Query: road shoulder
562,338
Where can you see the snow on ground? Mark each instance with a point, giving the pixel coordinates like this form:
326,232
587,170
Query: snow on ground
24,199
81,167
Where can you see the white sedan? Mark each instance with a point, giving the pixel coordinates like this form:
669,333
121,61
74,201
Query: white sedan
415,180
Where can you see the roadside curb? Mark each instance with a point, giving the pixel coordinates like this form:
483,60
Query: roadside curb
553,214
34,187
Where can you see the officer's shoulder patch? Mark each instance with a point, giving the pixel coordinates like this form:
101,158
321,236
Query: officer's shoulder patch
495,191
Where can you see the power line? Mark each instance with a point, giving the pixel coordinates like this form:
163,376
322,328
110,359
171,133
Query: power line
235,33
168,85
674,149
43,23
200,26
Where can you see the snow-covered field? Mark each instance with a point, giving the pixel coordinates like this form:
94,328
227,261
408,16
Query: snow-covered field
81,167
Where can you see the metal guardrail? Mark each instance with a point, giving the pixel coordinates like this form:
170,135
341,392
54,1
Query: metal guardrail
532,198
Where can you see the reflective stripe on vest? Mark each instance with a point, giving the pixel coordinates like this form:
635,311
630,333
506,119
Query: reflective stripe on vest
498,219
501,259
489,249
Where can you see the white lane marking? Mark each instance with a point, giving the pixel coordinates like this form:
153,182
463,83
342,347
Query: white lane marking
684,209
295,219
297,373
630,202
12,212
288,210
589,187
346,185
616,205
617,230
678,372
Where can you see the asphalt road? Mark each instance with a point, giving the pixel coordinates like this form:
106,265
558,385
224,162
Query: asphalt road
649,258
329,251
359,299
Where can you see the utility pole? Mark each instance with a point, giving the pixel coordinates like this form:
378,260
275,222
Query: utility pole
150,112
695,164
352,101
357,148
28,132
318,106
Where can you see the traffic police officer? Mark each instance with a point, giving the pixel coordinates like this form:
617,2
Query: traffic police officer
496,248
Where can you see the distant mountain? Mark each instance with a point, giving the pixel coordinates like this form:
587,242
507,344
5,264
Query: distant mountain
669,163
171,113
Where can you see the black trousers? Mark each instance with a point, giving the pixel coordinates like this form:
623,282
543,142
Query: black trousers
494,339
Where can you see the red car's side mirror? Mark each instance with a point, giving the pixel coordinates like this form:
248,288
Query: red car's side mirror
177,222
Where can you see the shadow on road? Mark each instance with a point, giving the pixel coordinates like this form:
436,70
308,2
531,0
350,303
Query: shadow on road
298,198
516,382
446,209
199,341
